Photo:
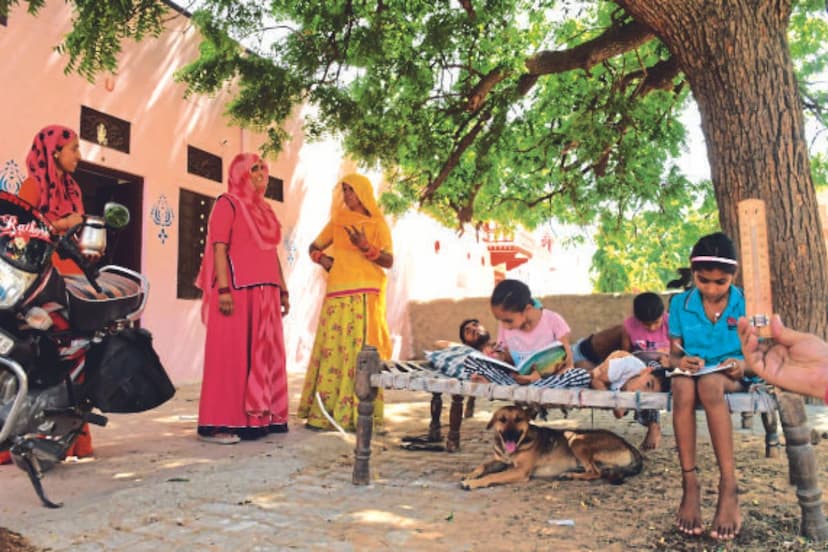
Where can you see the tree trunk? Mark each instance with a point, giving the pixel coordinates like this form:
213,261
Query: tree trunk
736,57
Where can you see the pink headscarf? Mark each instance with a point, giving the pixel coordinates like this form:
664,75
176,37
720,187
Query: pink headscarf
258,214
59,195
263,224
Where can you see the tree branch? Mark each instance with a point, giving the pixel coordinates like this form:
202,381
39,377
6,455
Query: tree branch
482,89
614,41
467,6
658,77
454,159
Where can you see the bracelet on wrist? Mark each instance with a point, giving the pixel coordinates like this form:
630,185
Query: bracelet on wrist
373,253
284,293
316,255
223,290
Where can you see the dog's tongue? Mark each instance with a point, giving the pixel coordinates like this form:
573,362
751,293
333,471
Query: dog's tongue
510,446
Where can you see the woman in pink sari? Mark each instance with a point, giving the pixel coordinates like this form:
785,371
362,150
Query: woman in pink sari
244,386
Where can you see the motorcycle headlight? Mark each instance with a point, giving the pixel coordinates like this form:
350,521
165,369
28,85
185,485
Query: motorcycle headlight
13,284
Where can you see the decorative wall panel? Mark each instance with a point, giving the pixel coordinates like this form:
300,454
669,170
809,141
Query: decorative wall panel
99,128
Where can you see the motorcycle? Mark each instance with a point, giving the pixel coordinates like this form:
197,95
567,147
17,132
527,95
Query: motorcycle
69,344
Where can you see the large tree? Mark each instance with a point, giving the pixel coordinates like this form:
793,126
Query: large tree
522,110
736,59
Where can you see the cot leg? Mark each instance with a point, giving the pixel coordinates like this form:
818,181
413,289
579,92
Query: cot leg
469,413
434,433
368,363
747,420
770,420
455,419
802,465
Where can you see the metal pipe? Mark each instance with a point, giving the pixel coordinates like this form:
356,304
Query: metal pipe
22,390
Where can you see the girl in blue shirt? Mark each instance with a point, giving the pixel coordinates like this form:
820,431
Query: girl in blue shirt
703,333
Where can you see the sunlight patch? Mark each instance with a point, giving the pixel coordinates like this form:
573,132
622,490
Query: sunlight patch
384,517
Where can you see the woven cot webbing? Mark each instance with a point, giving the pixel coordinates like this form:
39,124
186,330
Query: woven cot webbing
422,376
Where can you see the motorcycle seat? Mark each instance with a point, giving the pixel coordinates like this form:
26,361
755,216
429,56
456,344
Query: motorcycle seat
91,310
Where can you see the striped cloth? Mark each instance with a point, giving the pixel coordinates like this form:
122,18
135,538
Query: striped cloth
449,361
576,377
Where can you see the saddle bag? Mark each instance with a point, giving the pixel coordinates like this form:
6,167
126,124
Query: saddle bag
125,374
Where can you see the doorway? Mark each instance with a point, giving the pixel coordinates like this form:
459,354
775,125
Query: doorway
100,185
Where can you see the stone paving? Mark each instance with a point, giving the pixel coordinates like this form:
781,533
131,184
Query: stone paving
154,487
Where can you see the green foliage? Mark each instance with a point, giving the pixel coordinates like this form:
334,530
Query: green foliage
819,169
808,36
395,81
642,251
438,94
34,6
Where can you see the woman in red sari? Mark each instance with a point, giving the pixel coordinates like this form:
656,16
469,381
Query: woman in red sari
244,386
53,157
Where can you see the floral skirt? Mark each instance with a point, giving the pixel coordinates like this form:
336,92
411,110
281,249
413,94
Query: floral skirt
345,324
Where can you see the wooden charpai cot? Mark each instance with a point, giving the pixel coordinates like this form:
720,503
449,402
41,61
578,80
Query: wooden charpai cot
373,374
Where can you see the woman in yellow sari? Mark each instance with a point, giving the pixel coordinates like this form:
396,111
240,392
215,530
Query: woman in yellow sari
355,248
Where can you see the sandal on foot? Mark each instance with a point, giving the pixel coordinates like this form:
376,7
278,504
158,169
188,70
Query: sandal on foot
220,438
423,447
421,439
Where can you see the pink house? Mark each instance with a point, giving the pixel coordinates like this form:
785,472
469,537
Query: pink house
166,157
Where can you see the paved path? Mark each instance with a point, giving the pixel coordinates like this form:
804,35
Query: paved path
154,487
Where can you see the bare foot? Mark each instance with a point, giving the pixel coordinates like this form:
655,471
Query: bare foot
728,520
688,519
619,412
653,437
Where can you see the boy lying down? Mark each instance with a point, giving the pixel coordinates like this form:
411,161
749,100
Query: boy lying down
623,371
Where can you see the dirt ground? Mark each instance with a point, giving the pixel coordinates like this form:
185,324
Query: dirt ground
413,503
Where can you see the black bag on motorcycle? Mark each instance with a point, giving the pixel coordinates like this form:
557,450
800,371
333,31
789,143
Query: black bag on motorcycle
125,374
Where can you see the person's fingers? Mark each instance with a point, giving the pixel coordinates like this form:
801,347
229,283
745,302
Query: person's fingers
782,334
743,327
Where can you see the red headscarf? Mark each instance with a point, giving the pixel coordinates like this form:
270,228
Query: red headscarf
59,195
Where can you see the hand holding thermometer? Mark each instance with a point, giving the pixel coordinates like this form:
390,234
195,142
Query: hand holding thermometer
753,240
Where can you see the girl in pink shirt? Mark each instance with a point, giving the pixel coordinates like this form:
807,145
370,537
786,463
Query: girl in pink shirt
524,326
647,329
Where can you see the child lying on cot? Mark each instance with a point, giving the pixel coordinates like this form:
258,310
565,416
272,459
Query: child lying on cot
626,372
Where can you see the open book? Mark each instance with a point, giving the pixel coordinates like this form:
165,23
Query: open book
706,370
547,361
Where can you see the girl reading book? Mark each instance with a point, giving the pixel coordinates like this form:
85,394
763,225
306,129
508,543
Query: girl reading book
703,332
524,328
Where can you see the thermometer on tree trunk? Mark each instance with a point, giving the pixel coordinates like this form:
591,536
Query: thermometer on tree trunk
753,240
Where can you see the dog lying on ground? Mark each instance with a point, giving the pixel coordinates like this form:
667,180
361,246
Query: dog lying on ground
523,450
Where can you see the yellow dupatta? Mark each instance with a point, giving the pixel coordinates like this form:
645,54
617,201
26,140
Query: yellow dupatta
352,273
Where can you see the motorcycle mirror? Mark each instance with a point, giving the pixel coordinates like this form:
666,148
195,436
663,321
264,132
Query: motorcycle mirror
116,215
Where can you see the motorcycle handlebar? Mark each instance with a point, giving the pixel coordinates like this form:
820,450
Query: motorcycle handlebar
67,248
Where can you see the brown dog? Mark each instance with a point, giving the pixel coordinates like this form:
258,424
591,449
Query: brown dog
523,450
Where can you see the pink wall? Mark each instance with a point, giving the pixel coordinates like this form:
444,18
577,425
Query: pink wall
163,124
